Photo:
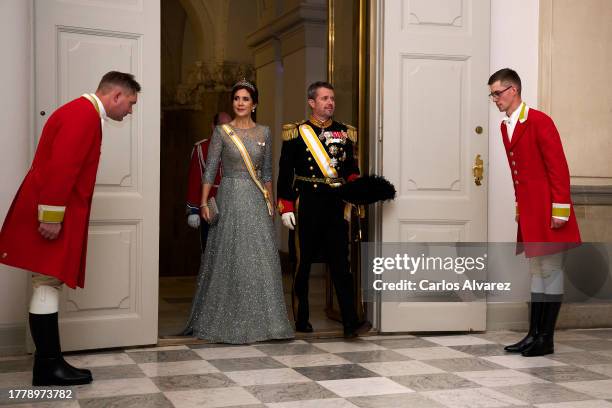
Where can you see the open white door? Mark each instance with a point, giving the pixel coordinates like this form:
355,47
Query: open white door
435,123
77,41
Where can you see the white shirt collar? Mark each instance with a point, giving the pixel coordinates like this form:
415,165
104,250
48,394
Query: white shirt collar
514,117
101,106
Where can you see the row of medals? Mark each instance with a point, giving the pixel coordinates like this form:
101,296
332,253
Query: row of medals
337,153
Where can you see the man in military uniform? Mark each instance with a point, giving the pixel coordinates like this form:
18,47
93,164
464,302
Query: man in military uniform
317,157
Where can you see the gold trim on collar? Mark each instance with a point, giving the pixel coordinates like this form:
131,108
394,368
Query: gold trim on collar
522,117
93,101
320,124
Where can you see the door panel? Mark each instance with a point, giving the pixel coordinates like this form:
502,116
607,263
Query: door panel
435,68
77,41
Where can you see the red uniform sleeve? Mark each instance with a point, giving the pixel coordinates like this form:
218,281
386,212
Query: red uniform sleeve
552,153
352,177
285,206
73,141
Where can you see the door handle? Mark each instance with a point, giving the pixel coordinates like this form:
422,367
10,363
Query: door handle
477,170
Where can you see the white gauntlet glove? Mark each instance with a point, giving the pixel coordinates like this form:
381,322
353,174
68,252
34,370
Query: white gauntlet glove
288,220
193,220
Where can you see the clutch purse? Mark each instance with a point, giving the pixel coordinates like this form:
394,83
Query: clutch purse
213,210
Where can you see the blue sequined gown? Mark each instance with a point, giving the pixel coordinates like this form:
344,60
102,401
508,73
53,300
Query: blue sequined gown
239,296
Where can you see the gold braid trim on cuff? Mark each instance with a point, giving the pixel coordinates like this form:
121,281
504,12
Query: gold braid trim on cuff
51,214
560,212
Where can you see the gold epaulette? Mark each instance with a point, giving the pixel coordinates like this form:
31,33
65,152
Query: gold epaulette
291,131
351,132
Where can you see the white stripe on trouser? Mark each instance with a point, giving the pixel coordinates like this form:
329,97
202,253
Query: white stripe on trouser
547,274
45,294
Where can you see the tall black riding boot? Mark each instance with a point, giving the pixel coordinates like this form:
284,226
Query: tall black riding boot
50,368
535,320
544,342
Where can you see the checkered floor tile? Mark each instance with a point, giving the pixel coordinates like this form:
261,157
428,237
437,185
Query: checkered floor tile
370,372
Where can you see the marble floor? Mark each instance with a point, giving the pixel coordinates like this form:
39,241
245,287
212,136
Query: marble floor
462,371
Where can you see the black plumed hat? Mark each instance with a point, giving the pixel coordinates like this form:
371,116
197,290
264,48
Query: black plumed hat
367,190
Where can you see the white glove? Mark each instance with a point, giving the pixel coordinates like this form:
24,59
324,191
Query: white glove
288,220
193,220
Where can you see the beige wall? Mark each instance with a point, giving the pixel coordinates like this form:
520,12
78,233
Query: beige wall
576,62
575,71
595,222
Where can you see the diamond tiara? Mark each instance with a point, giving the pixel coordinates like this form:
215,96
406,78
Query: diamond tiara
244,82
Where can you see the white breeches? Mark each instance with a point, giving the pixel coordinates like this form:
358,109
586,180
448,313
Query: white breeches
45,294
547,274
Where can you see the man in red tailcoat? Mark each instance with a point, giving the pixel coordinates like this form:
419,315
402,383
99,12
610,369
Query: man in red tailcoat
546,221
194,180
45,230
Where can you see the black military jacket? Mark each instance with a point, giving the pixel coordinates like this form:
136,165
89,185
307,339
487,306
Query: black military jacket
297,161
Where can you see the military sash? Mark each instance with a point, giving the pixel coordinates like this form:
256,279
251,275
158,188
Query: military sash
249,165
318,151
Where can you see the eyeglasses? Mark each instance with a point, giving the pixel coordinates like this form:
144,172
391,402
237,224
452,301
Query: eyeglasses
495,95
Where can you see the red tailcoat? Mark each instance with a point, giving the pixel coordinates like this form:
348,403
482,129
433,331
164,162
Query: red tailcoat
196,174
63,173
541,179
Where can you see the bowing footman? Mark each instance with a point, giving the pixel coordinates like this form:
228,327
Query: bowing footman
547,224
45,230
